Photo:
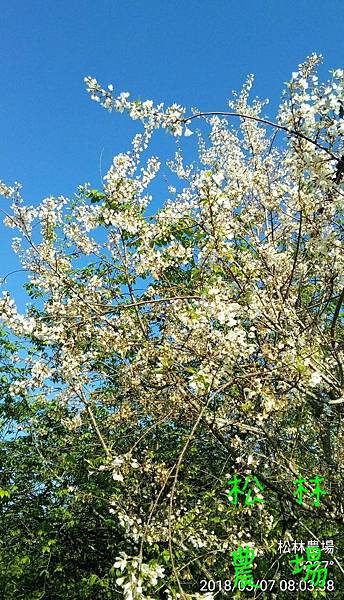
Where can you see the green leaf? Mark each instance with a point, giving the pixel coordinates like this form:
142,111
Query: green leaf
4,493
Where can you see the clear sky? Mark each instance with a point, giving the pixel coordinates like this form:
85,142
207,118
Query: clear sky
194,52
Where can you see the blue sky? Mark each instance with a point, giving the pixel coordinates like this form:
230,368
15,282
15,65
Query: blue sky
194,52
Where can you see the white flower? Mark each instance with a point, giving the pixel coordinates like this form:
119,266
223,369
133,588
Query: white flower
118,460
315,379
121,562
218,178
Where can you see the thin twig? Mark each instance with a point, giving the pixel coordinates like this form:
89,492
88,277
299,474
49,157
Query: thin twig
265,122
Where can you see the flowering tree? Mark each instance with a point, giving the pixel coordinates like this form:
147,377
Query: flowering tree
143,399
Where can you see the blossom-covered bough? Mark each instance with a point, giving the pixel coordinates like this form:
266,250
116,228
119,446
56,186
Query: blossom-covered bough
228,358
